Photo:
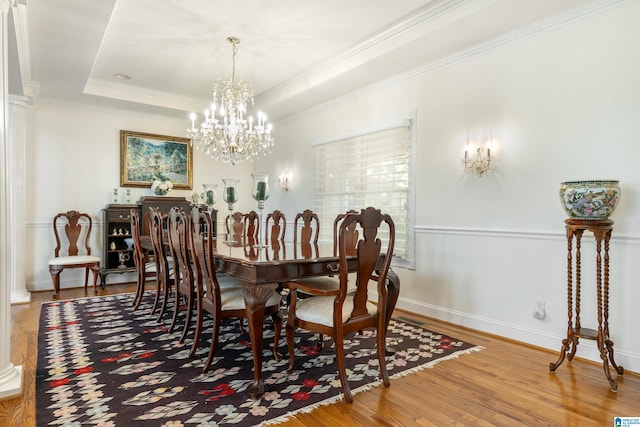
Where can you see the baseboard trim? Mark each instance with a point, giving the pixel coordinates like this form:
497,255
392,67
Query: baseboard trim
587,350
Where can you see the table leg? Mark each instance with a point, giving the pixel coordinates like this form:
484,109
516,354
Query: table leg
255,299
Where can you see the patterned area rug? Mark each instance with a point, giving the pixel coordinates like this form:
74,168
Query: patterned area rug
101,363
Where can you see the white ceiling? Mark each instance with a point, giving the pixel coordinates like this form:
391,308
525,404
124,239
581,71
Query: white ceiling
295,53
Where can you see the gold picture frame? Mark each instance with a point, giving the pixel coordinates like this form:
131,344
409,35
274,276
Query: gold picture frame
145,157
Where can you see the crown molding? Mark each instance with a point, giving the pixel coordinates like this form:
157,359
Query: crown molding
508,39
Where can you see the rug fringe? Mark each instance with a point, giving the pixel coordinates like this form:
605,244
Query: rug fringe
433,363
288,416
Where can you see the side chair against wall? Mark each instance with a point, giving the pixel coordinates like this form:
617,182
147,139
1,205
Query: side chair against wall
339,312
164,263
184,288
221,296
68,253
144,268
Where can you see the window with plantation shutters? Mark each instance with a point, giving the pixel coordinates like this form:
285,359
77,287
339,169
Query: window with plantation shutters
368,169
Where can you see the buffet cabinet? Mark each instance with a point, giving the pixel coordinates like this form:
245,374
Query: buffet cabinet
118,241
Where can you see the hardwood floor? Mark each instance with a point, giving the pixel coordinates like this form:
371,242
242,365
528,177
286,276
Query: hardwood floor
506,384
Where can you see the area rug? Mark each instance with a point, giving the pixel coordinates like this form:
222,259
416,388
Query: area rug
101,363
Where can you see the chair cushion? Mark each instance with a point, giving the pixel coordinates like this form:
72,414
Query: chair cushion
328,282
226,282
233,299
150,267
71,260
320,309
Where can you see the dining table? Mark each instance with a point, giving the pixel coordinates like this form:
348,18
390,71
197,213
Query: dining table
263,270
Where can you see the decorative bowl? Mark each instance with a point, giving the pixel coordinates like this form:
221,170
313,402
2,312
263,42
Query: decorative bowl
589,199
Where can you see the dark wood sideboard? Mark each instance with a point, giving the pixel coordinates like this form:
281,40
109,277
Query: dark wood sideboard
117,239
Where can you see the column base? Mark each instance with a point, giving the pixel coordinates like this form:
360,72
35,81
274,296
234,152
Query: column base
22,297
11,382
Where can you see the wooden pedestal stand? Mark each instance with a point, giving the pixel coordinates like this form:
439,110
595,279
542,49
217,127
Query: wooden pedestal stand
601,230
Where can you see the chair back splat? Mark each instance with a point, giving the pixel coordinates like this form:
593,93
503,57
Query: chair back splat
164,267
184,289
341,311
73,251
276,233
235,227
144,269
251,223
306,229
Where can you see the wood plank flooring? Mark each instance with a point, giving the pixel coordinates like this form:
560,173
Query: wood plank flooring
506,384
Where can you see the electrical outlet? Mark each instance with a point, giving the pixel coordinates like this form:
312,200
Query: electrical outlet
539,311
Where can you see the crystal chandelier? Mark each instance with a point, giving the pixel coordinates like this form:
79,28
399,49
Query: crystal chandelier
226,132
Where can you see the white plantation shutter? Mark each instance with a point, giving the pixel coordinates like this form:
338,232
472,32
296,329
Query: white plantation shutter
372,169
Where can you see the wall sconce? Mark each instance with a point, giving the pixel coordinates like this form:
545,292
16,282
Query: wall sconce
283,181
478,160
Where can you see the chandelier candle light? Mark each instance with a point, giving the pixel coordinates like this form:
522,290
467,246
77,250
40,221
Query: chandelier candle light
226,133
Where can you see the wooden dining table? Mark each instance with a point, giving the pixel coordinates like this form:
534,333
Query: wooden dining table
263,269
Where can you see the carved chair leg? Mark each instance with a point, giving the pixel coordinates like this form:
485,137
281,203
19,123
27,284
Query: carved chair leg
342,370
86,279
214,345
289,331
96,272
55,278
277,326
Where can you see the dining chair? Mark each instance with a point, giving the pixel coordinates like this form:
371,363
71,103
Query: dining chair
331,282
164,262
234,225
309,228
74,251
275,229
183,283
251,227
220,296
278,230
339,312
144,268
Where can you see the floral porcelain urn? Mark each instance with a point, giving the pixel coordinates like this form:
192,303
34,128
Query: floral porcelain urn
595,199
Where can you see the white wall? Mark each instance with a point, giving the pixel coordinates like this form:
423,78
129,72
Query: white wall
563,105
74,163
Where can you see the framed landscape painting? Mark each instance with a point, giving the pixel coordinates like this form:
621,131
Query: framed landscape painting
145,157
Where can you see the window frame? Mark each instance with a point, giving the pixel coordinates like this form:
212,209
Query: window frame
409,122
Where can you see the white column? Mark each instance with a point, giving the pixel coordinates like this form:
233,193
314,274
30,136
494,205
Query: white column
16,151
10,376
